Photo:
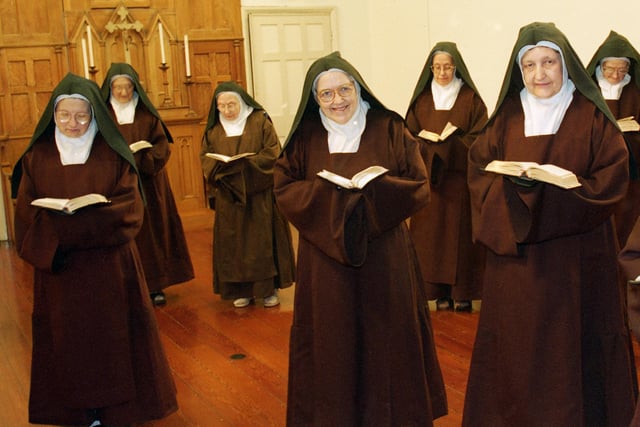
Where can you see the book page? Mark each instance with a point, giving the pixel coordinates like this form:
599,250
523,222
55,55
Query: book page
86,200
448,130
338,180
365,176
358,181
548,173
227,159
629,124
70,205
139,145
429,136
509,167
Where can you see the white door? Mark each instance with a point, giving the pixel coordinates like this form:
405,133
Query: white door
283,44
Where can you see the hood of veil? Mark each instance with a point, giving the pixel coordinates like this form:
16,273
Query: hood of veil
616,45
71,84
308,106
118,68
426,75
531,34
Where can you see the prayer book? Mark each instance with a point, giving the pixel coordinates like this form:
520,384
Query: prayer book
357,181
449,128
228,159
548,173
140,145
629,124
70,206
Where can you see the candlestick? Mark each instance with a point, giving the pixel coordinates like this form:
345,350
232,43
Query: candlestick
90,41
188,82
186,55
84,58
167,102
164,59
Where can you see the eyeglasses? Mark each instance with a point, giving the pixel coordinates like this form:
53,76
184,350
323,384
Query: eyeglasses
118,88
80,118
440,68
612,70
327,95
227,106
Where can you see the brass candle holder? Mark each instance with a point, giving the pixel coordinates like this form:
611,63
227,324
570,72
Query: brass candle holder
167,102
188,82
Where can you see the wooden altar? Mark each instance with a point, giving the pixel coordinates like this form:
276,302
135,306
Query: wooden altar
180,48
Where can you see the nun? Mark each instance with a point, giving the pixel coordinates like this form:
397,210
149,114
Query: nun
552,346
97,356
362,349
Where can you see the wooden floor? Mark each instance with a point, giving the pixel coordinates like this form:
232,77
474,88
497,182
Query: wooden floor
230,365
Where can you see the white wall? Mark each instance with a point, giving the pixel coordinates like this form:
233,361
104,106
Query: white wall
387,40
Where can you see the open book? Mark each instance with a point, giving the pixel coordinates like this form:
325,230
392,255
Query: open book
357,181
140,145
70,206
228,159
629,124
551,174
449,128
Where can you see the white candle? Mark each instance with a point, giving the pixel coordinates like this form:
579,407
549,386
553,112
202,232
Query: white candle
186,55
90,40
164,59
84,58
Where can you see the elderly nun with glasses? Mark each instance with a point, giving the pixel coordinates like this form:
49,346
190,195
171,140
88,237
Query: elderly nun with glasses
97,358
161,241
252,246
445,97
552,346
615,68
362,349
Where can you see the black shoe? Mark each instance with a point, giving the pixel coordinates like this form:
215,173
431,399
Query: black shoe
444,304
158,298
463,306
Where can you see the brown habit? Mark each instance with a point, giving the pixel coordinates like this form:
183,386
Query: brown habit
252,248
362,350
628,105
95,340
161,242
441,230
552,346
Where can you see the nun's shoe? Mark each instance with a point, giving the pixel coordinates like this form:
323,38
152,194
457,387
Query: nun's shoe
241,302
444,304
158,298
271,301
463,306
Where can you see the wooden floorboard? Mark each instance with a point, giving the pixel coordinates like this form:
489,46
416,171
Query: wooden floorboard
229,365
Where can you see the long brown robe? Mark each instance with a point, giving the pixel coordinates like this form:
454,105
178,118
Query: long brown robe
361,350
161,242
628,209
95,339
252,247
452,265
552,346
629,258
628,105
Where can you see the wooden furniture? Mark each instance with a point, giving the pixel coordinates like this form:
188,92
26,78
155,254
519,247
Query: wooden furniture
42,41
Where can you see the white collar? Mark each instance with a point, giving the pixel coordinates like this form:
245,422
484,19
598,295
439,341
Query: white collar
235,127
345,138
75,151
125,112
611,91
444,97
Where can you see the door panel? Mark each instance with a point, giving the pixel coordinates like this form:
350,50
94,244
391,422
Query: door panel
283,44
